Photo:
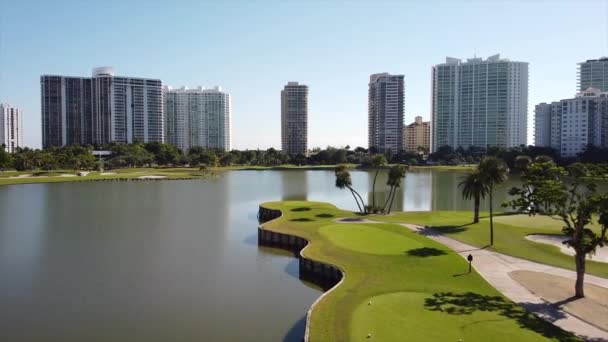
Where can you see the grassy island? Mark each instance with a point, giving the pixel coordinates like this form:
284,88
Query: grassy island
399,285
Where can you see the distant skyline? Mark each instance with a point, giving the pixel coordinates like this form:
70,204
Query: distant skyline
252,49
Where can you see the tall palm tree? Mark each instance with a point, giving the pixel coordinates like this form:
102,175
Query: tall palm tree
377,161
343,180
493,172
474,187
395,174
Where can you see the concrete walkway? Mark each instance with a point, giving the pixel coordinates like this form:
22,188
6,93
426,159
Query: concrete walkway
495,268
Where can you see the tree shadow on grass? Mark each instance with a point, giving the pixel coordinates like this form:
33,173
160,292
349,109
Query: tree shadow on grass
441,230
301,209
469,302
302,219
324,215
426,252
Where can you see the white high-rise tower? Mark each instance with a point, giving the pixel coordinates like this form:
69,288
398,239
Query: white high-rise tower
479,103
198,117
11,127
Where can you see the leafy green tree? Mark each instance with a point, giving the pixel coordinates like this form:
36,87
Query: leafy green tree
548,189
47,161
474,187
493,171
521,162
395,175
6,160
164,154
343,180
378,161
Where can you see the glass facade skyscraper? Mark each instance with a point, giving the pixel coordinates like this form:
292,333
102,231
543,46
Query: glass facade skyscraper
479,103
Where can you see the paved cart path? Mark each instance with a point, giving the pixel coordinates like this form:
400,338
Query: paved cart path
495,268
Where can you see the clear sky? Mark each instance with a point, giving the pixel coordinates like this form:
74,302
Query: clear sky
253,48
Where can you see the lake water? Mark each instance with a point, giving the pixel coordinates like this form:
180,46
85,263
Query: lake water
169,261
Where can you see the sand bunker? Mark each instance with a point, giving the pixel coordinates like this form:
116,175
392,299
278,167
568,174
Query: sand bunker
601,254
22,176
152,177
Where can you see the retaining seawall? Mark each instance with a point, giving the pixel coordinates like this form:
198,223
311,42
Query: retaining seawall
324,275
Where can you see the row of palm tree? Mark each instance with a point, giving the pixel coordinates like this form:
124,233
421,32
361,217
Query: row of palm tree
395,175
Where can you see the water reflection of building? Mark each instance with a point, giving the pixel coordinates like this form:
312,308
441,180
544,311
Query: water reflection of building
417,191
294,185
382,191
445,192
447,195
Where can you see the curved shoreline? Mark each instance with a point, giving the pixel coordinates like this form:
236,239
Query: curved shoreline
316,269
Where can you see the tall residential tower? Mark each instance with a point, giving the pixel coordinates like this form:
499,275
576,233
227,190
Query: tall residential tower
294,118
385,112
593,73
570,125
198,117
11,127
101,109
479,103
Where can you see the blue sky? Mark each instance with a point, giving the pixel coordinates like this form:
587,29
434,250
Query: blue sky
253,48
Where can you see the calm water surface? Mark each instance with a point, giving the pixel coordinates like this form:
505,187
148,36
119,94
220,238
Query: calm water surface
168,261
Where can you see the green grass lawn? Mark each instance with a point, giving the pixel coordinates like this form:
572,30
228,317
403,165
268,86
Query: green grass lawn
509,235
419,290
55,176
9,177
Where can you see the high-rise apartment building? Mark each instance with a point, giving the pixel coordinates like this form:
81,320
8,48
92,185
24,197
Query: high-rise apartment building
479,103
11,127
385,108
198,117
101,109
294,118
593,73
570,125
417,136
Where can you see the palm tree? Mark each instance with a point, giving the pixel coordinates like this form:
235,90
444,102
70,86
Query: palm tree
474,187
395,174
377,161
493,171
343,180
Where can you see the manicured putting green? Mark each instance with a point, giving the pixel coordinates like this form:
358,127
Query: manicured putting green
365,238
